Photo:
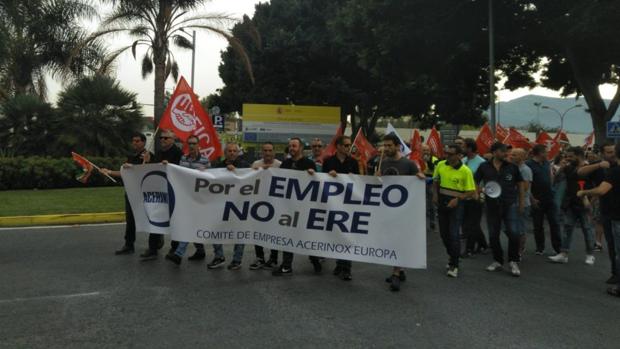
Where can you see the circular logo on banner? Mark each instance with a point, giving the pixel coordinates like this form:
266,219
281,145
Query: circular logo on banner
182,113
158,197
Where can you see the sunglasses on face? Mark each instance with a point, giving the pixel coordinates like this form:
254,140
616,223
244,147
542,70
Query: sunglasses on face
192,143
164,137
346,145
317,146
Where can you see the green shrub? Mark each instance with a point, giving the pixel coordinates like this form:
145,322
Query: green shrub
48,173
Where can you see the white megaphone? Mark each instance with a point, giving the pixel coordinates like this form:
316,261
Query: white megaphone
492,189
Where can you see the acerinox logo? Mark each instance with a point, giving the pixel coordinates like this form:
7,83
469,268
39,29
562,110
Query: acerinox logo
158,197
183,113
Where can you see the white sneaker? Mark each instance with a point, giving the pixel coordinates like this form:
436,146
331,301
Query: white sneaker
590,259
495,266
453,272
558,258
514,269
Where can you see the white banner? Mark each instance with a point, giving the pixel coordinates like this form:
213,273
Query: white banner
361,218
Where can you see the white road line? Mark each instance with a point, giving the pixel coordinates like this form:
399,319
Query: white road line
60,226
62,296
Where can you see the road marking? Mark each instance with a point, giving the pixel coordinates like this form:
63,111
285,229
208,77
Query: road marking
61,226
62,296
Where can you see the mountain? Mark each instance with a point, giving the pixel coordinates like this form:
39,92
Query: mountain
521,111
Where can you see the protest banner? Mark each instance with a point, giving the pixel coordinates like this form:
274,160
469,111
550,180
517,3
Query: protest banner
361,218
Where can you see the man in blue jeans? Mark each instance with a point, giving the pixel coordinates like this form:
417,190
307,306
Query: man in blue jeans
611,185
504,208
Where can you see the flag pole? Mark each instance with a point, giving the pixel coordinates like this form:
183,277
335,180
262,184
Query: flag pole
380,160
98,169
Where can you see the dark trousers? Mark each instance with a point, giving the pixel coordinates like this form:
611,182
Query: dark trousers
174,244
550,210
260,253
472,215
130,227
346,265
506,213
430,206
609,237
156,241
450,220
287,259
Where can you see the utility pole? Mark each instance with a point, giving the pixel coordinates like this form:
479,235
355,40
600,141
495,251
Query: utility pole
193,55
491,68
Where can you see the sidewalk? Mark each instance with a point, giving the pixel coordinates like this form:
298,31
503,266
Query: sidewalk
62,219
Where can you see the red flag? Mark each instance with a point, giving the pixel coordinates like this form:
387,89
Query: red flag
185,117
589,140
485,139
554,150
543,138
434,142
364,150
330,150
500,132
416,150
517,140
87,167
561,136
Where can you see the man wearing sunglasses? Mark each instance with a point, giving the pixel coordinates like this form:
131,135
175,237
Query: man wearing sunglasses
196,161
317,150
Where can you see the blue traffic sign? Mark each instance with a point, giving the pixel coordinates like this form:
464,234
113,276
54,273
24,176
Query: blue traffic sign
613,129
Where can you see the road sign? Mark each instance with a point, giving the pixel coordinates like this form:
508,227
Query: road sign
613,129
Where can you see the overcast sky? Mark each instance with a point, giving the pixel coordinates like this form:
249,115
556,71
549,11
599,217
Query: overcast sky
208,49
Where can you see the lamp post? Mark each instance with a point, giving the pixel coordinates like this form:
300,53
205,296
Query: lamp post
562,115
537,105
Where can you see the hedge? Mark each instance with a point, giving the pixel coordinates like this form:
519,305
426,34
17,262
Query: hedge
48,173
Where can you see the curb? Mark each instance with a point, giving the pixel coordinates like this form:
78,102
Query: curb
62,219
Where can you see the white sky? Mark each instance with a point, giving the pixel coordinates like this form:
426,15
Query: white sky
208,49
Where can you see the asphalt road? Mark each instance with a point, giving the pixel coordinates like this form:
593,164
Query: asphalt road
64,288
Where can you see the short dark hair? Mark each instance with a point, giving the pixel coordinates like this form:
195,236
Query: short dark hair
301,143
457,148
392,137
139,134
498,146
471,144
607,144
340,139
539,149
578,151
267,143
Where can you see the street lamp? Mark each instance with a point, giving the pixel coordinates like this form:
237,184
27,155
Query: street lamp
537,105
562,115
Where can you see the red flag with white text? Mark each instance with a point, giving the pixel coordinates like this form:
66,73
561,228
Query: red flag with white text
434,142
416,150
543,138
330,149
561,136
500,132
87,167
517,140
485,139
554,150
185,116
589,140
364,150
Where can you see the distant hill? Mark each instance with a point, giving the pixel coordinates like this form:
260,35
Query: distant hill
520,111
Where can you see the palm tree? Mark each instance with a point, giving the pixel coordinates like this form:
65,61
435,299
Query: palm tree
155,25
38,37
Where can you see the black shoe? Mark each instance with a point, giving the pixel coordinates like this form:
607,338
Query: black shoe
612,280
174,258
282,271
125,250
270,264
258,264
394,283
216,262
467,254
234,265
337,270
317,266
346,275
197,256
149,255
402,276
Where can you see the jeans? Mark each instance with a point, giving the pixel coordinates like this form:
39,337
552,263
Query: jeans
523,221
450,220
130,227
609,237
237,254
260,253
572,217
549,209
497,213
472,214
615,228
182,247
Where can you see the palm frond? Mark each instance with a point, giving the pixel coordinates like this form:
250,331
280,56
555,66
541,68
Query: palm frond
147,65
182,42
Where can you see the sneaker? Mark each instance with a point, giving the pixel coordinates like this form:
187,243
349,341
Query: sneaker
176,259
402,276
317,266
590,259
216,262
495,266
125,250
197,256
558,258
612,280
614,291
234,265
346,275
395,283
258,264
453,272
149,255
514,269
539,252
598,247
282,271
270,264
337,270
